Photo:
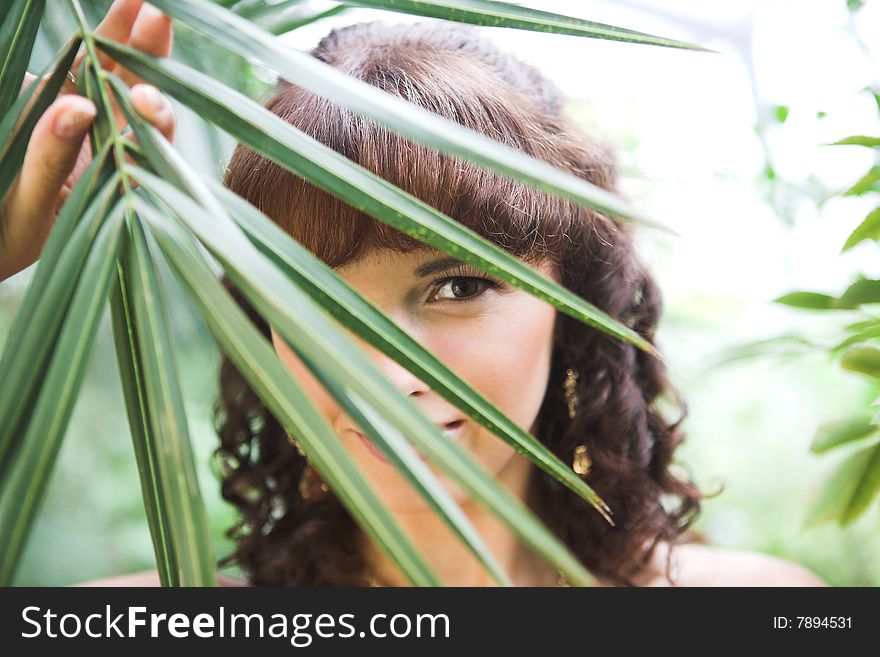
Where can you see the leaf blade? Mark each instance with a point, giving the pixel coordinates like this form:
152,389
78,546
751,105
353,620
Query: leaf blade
327,169
249,40
17,35
505,14
178,482
321,346
47,424
253,356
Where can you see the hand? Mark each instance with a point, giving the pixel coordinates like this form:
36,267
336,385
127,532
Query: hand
58,152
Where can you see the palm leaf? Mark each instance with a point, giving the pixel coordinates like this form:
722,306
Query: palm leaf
505,14
273,137
164,158
157,150
125,330
19,122
342,301
26,358
251,41
93,177
17,34
83,253
323,347
57,394
259,364
167,432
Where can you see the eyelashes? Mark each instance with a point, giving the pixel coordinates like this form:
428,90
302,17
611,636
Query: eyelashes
468,275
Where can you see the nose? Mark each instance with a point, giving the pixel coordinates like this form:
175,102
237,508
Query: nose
404,380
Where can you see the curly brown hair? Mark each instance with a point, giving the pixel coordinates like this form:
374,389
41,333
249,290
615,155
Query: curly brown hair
451,70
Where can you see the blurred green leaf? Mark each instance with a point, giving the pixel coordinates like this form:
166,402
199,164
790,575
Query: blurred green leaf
807,300
857,140
863,291
783,345
848,492
841,432
869,229
865,360
870,182
872,332
780,112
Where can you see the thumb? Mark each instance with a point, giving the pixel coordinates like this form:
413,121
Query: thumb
51,154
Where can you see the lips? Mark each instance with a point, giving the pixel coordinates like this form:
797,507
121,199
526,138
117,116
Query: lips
451,430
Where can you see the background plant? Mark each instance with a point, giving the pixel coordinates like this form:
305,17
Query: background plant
850,336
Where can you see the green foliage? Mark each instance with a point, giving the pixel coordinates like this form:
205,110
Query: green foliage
849,491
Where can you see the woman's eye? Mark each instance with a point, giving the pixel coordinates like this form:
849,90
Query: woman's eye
462,288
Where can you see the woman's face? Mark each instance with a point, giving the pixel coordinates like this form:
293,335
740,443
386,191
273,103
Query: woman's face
497,338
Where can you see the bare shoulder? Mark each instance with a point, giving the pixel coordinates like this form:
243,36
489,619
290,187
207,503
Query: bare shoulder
694,564
151,578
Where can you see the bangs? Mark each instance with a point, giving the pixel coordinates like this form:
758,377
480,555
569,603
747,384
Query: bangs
524,221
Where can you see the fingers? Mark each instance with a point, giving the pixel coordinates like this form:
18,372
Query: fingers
152,34
154,107
117,25
51,154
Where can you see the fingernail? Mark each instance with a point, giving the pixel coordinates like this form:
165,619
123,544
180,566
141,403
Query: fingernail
74,120
154,98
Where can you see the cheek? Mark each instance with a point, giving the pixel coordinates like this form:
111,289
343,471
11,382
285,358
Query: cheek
506,357
310,385
391,487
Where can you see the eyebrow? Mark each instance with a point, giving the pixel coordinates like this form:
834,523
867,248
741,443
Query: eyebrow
435,266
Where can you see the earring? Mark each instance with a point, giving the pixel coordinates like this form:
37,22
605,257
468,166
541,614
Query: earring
311,486
581,463
571,377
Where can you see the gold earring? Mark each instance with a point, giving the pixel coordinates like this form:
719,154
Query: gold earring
581,463
571,377
311,486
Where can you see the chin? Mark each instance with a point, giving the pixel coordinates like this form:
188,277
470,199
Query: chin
403,498
494,459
